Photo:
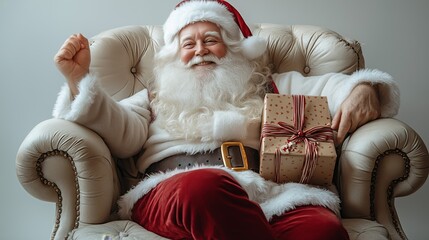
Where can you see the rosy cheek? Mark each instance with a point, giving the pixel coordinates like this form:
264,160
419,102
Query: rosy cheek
185,57
221,52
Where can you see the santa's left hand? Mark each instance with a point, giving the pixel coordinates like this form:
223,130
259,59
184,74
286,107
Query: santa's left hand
360,107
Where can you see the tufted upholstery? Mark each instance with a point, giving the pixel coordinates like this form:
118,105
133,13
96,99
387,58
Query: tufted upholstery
65,163
306,49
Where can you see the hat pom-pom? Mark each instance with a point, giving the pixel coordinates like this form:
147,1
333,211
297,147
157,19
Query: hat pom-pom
253,47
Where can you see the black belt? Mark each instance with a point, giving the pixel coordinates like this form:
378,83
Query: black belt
231,154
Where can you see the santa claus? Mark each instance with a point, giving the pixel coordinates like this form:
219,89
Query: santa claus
208,88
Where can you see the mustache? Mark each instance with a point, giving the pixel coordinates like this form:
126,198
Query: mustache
206,58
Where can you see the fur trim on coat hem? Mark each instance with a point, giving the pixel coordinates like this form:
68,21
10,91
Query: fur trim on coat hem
274,199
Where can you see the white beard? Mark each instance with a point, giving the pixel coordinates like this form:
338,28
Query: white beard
185,98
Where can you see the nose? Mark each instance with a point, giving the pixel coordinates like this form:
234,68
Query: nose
201,49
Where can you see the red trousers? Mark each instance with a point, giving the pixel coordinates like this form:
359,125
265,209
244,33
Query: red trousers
210,204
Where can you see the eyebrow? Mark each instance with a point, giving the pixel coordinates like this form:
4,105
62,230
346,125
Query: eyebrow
207,34
212,33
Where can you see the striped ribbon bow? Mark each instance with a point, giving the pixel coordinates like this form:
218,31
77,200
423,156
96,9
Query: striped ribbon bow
296,134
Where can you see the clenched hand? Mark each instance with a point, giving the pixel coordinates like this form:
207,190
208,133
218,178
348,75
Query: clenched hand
73,60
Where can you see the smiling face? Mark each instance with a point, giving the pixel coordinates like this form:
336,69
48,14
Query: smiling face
198,74
201,39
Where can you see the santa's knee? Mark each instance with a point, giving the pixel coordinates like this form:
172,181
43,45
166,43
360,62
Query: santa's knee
322,224
328,228
309,223
201,188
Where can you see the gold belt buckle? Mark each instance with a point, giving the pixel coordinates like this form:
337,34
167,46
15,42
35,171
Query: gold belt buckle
227,158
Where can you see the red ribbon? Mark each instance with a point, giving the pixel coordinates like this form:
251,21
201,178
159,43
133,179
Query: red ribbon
297,134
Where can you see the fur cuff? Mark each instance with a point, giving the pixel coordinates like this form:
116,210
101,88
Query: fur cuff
229,125
69,109
63,104
387,89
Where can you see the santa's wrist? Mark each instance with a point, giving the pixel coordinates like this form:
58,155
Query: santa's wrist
229,125
366,87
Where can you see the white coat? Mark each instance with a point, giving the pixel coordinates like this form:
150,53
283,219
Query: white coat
126,127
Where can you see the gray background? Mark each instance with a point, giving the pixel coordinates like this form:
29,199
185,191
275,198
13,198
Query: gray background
393,33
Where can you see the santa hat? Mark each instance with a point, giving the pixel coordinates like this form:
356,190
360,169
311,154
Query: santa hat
219,12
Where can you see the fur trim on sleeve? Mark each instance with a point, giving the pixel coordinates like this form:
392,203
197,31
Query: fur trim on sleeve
63,104
229,125
69,109
387,89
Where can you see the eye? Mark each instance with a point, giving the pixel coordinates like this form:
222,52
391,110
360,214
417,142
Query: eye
211,40
188,45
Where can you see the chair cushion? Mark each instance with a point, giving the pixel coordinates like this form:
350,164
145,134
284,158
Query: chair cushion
358,229
124,230
362,229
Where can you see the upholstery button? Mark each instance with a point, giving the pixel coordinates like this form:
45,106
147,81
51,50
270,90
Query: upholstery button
107,237
133,70
307,69
123,234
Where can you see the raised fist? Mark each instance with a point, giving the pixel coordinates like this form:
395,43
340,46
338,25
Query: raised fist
73,60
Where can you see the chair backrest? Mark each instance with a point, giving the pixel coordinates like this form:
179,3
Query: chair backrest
123,58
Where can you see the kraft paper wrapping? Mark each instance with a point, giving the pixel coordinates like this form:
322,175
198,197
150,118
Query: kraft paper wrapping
280,108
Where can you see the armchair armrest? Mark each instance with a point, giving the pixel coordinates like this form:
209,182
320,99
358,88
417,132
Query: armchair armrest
382,160
63,162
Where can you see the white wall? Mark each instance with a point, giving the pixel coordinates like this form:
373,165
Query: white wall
394,34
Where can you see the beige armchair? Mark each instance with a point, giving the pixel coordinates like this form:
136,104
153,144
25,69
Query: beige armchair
69,165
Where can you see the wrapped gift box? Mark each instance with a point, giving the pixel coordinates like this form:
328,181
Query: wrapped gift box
297,141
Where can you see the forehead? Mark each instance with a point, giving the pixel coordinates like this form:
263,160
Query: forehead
198,28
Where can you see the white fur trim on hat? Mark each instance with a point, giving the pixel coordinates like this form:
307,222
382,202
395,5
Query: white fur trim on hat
215,12
253,47
197,11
